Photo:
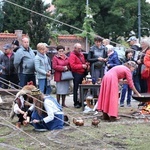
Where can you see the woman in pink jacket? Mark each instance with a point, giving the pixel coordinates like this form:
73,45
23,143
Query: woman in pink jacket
60,64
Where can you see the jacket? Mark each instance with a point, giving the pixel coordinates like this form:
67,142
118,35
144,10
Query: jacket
6,64
76,60
24,61
58,65
113,60
95,53
42,65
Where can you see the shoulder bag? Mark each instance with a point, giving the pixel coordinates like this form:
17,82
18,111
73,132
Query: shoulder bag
67,75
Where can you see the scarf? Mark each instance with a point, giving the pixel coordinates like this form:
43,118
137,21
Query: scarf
54,101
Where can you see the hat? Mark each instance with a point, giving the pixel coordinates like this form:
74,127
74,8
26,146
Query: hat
132,38
7,46
25,90
35,92
15,42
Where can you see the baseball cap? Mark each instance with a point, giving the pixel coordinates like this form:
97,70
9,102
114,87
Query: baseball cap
7,46
15,42
132,38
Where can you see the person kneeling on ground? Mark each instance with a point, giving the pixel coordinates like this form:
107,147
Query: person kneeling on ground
22,106
47,113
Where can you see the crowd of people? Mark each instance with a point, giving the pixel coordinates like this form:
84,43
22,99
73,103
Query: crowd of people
20,65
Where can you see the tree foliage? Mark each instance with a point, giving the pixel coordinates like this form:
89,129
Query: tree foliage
114,18
110,18
32,24
1,17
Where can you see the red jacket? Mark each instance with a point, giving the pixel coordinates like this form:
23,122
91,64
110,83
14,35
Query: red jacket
76,60
58,65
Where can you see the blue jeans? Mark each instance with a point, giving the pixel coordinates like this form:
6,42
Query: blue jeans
136,81
25,78
126,88
44,88
56,123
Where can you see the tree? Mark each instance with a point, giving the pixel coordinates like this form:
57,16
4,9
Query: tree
38,29
15,17
113,18
73,13
31,23
1,17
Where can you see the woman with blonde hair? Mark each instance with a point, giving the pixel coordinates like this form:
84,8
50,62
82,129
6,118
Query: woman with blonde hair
108,97
43,69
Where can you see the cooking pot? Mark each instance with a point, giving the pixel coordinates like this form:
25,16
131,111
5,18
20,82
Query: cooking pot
145,97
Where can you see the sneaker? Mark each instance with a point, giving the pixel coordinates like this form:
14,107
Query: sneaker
77,106
96,112
128,105
87,109
121,105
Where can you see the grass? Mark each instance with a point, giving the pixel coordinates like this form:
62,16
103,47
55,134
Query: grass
126,134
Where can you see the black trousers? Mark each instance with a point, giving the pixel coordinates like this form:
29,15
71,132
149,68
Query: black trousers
12,78
76,81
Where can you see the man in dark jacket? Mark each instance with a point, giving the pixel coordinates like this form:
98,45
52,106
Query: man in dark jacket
15,45
9,72
135,46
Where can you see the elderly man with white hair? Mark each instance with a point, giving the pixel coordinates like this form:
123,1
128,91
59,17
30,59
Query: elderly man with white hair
113,59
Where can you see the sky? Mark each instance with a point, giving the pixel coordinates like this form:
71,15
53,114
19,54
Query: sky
47,1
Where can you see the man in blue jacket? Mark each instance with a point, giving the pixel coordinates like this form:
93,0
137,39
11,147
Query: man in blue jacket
24,63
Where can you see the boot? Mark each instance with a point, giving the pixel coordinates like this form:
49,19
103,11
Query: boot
105,116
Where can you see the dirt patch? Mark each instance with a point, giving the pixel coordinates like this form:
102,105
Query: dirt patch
127,133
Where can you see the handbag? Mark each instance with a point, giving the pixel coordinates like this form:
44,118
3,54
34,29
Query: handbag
67,75
98,64
145,73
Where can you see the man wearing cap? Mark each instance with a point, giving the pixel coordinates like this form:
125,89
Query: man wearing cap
9,72
24,63
135,46
15,45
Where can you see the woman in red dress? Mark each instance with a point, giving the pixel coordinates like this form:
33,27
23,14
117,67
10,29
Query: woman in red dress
145,44
108,97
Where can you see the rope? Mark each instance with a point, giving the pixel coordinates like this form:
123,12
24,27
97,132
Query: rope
55,20
58,119
25,133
